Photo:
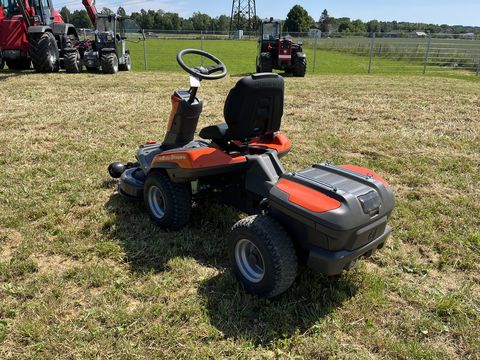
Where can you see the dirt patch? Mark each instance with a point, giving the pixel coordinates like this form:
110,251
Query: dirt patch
10,241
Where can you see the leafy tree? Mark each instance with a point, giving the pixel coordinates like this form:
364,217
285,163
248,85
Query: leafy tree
201,21
298,20
121,11
65,13
106,11
373,26
80,19
325,21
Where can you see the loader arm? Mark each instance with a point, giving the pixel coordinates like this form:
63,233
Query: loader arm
91,10
26,10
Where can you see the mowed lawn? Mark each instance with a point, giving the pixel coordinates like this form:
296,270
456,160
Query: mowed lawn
85,274
240,57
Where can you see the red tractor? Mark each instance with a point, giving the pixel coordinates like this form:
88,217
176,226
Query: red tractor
33,32
277,52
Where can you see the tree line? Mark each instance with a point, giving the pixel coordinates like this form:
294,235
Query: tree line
297,20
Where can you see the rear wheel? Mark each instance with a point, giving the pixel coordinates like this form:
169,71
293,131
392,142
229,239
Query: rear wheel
44,52
168,203
127,65
18,64
300,67
262,255
109,62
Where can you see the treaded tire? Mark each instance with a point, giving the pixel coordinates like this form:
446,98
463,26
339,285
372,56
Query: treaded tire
278,254
109,62
44,53
176,200
266,64
72,62
127,66
300,67
18,64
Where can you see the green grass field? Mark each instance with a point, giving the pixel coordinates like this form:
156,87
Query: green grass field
239,56
84,273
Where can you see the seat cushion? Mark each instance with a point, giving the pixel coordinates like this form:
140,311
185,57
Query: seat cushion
214,132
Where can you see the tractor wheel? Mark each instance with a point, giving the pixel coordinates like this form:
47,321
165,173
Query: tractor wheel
44,53
2,63
168,203
300,67
18,64
127,65
109,63
262,255
72,62
266,64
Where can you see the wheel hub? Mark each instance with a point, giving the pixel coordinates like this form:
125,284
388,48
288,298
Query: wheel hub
156,202
249,260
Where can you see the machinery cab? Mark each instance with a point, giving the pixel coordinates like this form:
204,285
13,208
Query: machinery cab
109,31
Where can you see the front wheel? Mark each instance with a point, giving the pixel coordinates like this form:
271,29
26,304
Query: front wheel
44,52
72,62
300,67
262,256
127,64
169,204
109,62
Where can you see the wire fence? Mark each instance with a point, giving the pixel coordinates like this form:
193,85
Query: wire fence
375,52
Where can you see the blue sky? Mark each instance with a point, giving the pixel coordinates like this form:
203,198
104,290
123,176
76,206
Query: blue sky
461,12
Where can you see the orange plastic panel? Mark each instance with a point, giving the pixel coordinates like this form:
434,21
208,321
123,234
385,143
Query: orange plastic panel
306,197
280,142
199,158
364,171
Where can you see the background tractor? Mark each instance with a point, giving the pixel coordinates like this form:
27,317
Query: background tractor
277,52
33,32
106,51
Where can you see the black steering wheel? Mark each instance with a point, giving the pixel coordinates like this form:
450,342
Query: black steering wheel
201,72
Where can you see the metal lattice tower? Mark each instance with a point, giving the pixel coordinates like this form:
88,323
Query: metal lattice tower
244,15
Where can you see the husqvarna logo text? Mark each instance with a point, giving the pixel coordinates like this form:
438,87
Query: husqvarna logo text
172,157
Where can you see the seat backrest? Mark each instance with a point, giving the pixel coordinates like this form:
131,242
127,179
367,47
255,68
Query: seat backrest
254,106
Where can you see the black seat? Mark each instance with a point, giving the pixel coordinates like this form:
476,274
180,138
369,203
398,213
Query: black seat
254,107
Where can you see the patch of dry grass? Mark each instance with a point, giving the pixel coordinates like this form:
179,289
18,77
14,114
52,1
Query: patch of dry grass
84,273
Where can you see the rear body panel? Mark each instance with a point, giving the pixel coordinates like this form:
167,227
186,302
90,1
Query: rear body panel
13,37
333,212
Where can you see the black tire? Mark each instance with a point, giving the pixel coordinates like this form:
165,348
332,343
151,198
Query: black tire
109,62
44,52
271,265
72,62
18,64
266,64
169,204
127,66
300,67
2,63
